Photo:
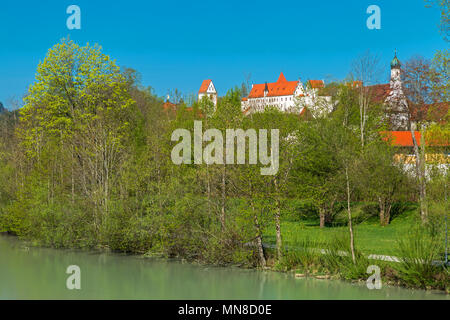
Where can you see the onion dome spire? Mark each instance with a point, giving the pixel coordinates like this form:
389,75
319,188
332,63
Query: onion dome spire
395,63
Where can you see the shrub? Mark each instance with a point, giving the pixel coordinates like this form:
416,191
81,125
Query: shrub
419,265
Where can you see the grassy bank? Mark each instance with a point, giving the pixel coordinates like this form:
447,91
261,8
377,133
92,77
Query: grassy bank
370,237
417,248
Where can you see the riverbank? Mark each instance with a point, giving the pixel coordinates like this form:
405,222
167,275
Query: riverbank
303,243
397,249
39,273
307,263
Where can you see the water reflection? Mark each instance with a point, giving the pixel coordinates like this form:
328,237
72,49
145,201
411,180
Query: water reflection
40,273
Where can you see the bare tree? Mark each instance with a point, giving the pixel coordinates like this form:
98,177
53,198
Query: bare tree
366,70
418,80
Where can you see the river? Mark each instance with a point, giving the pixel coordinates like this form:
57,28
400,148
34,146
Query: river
40,273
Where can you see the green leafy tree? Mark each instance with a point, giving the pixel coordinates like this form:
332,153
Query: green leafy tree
78,114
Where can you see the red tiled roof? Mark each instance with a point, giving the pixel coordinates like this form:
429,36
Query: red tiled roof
244,99
316,84
199,112
204,86
401,138
169,106
280,88
379,92
404,139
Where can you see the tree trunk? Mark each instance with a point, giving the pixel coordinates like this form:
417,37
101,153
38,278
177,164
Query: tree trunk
420,167
322,216
72,176
222,214
423,181
382,211
352,241
259,244
278,221
387,214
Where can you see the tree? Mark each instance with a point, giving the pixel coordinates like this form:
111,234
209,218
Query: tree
440,84
380,179
316,168
444,26
79,108
419,79
366,71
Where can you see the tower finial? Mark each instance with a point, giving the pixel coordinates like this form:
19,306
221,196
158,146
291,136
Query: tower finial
395,63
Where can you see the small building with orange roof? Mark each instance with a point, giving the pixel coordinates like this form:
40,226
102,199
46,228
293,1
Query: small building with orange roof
207,89
437,147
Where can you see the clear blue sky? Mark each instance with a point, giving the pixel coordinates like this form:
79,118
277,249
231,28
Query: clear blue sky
177,44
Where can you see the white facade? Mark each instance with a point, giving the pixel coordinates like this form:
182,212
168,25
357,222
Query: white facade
287,96
209,90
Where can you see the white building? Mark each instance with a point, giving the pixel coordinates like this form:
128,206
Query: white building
207,89
289,96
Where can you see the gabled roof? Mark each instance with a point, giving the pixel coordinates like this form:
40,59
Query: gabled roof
281,78
379,92
316,84
204,86
280,88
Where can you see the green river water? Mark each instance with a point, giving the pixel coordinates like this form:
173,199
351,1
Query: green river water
40,273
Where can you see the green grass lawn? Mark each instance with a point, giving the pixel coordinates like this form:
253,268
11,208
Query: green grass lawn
370,237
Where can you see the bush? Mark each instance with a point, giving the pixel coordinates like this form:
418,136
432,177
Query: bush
419,262
338,258
304,254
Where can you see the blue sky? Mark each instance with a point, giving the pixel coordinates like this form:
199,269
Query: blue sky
177,44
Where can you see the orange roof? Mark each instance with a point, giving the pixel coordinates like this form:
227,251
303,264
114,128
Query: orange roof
404,139
246,111
199,112
401,138
316,84
244,99
204,86
356,84
280,88
169,106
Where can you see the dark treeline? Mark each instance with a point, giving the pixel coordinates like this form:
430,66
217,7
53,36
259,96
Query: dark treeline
87,163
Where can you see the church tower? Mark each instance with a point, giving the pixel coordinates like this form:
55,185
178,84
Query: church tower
396,100
396,82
